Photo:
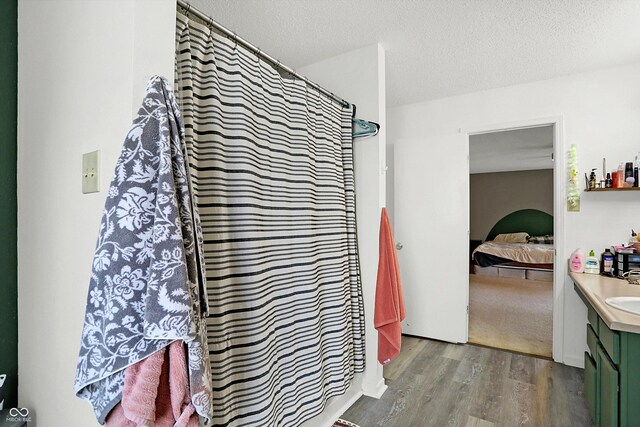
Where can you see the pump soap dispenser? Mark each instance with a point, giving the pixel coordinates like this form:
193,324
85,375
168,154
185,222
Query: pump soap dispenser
592,265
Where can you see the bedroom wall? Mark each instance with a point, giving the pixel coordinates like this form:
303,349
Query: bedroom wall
83,65
600,110
494,195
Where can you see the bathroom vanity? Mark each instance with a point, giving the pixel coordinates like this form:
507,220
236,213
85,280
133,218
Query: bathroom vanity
612,362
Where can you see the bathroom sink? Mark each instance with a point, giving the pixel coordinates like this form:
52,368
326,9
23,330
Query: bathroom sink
628,304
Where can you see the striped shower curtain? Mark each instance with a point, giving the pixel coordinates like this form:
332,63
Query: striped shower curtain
272,169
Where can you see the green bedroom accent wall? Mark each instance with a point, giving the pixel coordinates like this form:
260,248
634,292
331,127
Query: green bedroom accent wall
8,207
532,221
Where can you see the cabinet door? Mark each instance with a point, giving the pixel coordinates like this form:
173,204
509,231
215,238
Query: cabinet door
590,386
609,380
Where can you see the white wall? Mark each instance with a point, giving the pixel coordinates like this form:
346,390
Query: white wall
601,115
390,159
82,66
359,77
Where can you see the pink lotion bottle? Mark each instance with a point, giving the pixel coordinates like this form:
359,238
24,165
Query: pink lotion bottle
577,261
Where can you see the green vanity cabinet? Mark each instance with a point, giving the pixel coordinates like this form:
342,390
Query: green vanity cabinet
609,389
590,385
611,373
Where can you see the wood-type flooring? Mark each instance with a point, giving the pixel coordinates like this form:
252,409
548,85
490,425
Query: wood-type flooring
438,384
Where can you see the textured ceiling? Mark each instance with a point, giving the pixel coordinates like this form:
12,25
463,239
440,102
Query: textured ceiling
440,48
514,150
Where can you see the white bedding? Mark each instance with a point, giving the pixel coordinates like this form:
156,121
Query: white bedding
529,253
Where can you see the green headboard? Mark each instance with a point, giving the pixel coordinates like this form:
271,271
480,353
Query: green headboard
532,221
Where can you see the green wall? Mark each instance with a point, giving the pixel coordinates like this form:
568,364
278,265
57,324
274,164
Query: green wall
8,207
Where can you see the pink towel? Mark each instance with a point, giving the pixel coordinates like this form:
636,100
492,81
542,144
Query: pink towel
389,304
156,392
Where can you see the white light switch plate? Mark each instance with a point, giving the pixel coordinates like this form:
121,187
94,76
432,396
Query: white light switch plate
91,172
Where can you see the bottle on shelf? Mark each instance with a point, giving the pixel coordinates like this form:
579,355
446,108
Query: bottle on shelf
628,175
620,175
592,179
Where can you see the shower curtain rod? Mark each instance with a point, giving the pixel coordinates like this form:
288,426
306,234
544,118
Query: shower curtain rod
274,62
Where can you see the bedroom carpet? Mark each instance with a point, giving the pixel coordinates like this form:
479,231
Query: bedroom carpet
512,314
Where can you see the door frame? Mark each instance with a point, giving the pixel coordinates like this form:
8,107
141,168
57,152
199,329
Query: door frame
559,210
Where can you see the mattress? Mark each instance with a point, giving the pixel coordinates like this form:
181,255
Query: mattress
527,255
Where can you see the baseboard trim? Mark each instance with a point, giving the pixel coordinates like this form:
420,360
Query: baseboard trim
576,362
377,391
342,409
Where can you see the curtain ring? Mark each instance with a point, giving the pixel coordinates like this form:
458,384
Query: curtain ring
186,13
258,54
235,40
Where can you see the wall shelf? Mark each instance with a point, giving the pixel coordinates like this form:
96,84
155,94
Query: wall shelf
614,189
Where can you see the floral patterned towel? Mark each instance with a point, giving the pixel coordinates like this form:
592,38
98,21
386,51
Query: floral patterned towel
147,285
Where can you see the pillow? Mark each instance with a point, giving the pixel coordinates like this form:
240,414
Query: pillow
512,237
547,239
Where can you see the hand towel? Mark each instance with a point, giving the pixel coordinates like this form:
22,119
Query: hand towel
156,392
389,302
146,288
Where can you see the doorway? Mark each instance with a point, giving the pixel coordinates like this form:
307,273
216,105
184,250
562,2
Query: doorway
432,223
511,239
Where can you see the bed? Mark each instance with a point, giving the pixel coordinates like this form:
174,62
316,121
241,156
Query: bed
520,245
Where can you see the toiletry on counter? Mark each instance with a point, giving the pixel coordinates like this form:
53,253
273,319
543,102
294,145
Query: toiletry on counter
622,249
635,172
625,263
608,183
576,261
606,263
591,264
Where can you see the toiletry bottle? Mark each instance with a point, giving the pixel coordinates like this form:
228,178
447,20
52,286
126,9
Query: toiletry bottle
614,179
606,263
592,179
576,261
628,174
635,173
592,265
620,175
608,182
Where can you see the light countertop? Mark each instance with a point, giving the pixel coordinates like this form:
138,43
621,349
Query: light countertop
598,288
